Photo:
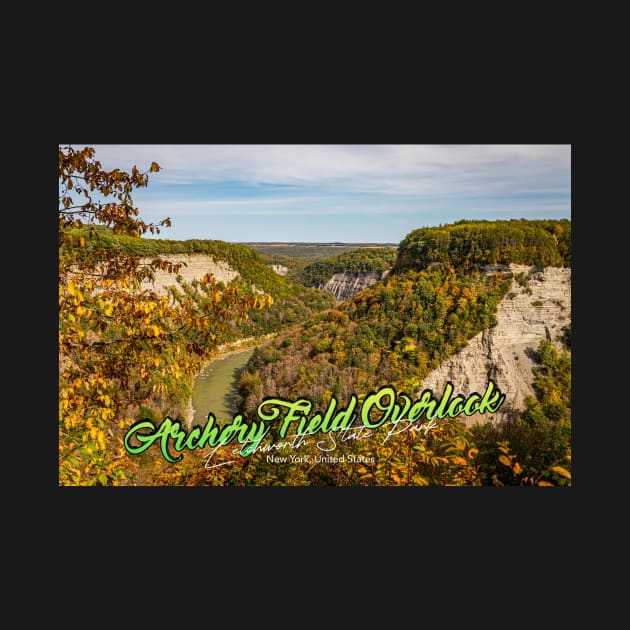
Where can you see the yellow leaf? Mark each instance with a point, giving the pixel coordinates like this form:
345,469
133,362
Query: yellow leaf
156,361
459,460
563,472
81,241
81,310
473,452
544,483
505,460
71,288
109,310
517,468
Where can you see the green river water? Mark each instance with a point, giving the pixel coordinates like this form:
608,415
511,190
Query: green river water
214,389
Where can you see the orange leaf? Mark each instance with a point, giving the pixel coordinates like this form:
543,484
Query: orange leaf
562,471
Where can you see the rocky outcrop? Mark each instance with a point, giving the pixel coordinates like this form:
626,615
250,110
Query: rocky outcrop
345,285
281,270
505,352
195,268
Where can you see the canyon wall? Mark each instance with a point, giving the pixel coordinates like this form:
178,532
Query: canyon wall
195,268
505,352
345,285
281,270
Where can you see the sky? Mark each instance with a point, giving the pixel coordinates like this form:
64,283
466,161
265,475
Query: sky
341,193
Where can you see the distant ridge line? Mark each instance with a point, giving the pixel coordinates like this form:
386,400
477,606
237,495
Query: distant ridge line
315,244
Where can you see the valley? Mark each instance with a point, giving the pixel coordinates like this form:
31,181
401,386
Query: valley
464,304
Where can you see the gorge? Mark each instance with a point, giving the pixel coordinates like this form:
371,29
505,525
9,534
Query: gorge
536,307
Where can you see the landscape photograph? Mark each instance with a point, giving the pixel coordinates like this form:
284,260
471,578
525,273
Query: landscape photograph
314,315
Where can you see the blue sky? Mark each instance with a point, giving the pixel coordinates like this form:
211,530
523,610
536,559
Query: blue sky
347,193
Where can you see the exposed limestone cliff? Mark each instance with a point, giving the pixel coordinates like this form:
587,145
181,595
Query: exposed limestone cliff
197,266
505,352
345,285
281,270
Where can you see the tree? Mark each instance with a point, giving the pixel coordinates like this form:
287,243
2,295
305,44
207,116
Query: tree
121,346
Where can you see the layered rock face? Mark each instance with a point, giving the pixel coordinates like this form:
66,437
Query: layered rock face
505,352
197,266
345,285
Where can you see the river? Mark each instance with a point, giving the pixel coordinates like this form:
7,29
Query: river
214,389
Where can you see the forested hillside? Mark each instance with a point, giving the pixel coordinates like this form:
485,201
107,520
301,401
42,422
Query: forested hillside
467,244
371,260
392,333
292,302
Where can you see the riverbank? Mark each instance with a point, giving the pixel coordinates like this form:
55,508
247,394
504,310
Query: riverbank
214,385
240,345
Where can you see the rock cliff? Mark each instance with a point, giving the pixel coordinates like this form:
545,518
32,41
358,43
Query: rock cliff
281,270
505,352
345,285
197,266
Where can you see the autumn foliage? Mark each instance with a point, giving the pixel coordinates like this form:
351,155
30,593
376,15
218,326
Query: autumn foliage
121,346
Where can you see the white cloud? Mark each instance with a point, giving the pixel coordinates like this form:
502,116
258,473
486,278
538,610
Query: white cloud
400,169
